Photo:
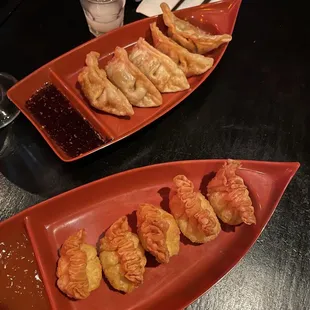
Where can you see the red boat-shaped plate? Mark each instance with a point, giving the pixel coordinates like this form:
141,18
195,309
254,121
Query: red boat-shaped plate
216,18
97,205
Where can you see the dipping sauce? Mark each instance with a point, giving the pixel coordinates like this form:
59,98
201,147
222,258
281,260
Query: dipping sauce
62,122
21,285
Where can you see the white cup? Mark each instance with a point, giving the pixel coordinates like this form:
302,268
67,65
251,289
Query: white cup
103,15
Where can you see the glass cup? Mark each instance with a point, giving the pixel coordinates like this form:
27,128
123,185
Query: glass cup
103,15
8,110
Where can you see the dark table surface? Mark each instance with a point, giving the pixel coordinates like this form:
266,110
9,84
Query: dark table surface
255,105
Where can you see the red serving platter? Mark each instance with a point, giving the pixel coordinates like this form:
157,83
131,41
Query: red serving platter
216,18
97,205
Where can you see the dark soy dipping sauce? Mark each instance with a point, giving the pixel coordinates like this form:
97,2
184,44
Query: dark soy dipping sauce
63,123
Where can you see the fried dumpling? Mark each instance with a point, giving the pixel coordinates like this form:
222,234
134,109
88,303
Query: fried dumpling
229,196
138,89
158,232
79,269
189,36
159,68
190,63
122,256
100,92
193,213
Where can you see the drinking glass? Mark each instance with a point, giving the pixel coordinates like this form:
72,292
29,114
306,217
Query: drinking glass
8,111
103,15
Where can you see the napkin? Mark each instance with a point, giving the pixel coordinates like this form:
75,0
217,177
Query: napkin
152,7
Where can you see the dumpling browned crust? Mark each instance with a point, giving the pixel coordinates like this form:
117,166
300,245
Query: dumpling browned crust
99,91
158,232
193,212
138,89
122,257
79,270
190,63
192,38
230,197
159,68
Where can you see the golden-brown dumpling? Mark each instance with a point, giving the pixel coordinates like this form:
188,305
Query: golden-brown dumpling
189,36
159,68
190,63
229,196
193,213
79,270
138,89
122,257
158,232
100,92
